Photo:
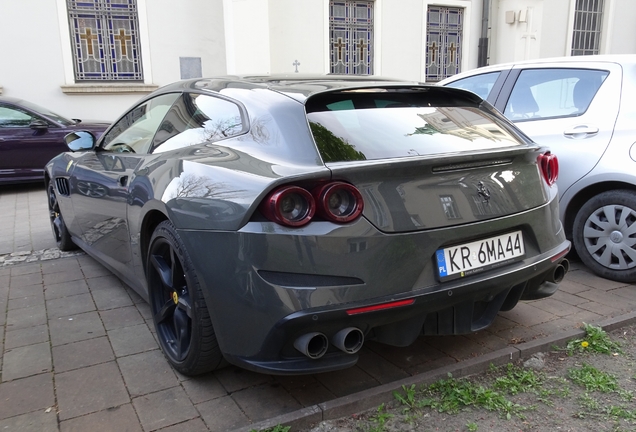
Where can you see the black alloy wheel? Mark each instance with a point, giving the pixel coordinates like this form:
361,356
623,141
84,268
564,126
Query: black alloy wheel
180,315
60,232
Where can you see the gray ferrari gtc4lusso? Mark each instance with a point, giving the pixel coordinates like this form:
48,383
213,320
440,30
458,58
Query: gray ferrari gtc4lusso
277,223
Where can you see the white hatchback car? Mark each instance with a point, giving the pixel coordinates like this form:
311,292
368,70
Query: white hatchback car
584,109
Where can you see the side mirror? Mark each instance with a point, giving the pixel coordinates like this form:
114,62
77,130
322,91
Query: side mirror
80,141
38,124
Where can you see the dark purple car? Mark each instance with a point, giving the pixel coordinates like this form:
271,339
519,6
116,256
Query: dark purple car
30,136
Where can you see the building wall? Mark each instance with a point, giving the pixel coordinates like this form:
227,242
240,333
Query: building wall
547,30
194,29
247,24
268,36
400,39
620,28
298,31
522,39
36,65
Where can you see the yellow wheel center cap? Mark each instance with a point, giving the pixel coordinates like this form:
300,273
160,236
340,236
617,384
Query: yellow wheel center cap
175,297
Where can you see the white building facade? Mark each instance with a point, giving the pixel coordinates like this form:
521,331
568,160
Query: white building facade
95,58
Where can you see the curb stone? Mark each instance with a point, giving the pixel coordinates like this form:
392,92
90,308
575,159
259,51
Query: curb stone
371,398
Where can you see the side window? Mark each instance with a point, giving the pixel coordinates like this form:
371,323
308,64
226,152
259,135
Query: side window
195,119
481,85
13,118
549,93
133,133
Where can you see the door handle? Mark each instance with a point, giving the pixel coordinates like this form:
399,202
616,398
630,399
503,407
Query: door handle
123,180
582,131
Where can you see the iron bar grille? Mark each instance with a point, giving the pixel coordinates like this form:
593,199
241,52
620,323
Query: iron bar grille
444,39
588,21
105,40
351,37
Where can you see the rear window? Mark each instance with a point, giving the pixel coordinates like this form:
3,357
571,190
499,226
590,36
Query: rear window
381,123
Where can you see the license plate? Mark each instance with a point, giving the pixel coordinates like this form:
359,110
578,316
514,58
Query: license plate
470,258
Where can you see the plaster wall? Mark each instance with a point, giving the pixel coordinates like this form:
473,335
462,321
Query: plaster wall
31,65
35,64
194,29
248,22
521,40
555,40
401,39
619,28
547,30
298,31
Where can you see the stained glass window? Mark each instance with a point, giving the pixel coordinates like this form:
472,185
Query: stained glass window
444,27
588,19
351,37
105,40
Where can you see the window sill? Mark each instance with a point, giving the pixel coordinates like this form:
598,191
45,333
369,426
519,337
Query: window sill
82,89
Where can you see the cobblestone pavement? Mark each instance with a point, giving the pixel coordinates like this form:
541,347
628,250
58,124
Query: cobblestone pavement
78,350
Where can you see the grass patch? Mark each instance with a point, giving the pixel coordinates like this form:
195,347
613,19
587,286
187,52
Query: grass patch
593,379
595,340
277,428
451,395
379,419
519,380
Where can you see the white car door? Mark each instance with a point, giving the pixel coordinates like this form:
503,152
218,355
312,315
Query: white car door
570,108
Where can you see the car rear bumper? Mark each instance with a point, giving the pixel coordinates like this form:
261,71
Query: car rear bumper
458,308
266,286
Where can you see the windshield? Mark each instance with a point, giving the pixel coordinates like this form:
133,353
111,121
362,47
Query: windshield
47,113
363,126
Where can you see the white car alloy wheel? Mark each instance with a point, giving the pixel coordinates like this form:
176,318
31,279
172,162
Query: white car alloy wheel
605,235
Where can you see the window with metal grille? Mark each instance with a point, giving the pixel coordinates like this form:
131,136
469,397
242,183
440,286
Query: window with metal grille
444,40
588,20
105,40
351,37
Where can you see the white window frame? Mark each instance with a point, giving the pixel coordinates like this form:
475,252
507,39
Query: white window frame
73,87
377,37
467,6
606,29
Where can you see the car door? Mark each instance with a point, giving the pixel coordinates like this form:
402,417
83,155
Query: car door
27,143
569,107
100,184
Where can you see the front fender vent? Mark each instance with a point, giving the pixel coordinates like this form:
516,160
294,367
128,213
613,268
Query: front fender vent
62,186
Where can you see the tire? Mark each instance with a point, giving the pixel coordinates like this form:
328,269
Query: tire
179,311
60,232
604,235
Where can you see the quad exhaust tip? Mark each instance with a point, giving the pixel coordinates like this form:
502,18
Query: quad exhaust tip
313,345
348,340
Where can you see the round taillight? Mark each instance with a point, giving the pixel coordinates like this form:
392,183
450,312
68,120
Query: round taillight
289,205
338,202
549,166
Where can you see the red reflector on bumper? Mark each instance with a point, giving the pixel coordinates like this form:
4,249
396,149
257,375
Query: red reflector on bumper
380,307
560,255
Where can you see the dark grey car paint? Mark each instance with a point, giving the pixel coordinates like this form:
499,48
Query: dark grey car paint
241,261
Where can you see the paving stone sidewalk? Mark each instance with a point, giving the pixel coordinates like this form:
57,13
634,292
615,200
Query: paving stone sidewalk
78,350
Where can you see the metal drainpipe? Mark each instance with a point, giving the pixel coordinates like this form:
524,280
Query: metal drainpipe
482,54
